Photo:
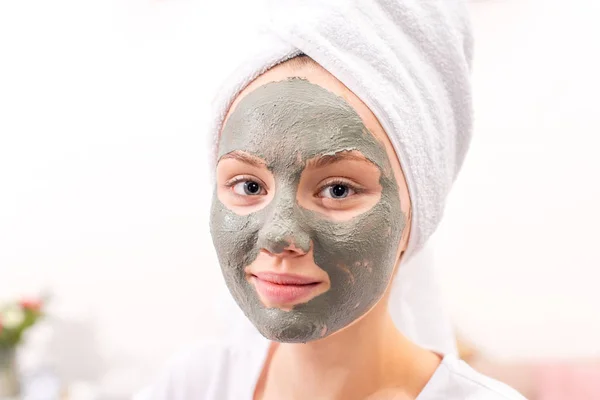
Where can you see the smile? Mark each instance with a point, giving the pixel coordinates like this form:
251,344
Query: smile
280,289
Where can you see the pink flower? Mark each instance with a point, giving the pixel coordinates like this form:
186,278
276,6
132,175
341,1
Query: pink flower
1,327
31,304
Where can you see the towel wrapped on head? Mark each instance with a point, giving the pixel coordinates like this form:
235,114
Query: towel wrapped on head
409,62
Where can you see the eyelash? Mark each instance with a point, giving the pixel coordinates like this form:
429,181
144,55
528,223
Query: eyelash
244,178
231,183
238,179
356,189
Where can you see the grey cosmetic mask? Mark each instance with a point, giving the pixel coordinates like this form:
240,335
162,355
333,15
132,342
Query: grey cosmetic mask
286,123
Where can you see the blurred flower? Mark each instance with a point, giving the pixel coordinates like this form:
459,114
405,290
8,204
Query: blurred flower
12,317
31,304
17,317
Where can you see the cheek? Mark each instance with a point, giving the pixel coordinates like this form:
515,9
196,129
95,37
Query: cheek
234,236
360,254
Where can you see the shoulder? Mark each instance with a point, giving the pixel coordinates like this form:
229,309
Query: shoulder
455,379
204,370
188,373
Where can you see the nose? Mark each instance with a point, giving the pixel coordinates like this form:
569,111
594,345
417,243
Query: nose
283,247
282,235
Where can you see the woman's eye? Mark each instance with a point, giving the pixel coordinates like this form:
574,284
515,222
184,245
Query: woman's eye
248,188
336,191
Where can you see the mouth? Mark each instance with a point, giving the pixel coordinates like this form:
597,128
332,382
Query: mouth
284,289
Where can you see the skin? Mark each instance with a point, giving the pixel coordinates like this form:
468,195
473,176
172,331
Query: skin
297,133
289,230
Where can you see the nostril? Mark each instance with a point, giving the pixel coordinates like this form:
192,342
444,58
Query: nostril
292,253
282,248
293,250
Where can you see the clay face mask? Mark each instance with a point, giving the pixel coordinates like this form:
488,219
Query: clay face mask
285,124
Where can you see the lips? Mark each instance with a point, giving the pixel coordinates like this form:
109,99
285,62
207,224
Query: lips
284,289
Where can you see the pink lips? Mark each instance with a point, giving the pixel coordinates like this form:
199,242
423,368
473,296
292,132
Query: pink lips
283,288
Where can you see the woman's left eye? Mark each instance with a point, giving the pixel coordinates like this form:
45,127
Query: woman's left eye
336,191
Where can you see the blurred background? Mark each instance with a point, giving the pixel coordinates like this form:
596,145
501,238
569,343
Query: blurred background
105,190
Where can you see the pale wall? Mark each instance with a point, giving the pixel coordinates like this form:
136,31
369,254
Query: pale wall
104,192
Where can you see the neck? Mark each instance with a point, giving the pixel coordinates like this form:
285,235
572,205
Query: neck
362,359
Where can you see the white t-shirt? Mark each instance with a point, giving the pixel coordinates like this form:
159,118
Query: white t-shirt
218,371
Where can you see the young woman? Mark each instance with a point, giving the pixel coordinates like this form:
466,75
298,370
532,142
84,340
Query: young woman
320,197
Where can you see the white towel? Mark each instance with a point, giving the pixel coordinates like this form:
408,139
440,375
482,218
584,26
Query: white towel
409,62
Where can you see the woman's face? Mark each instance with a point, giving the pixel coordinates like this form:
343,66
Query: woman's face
310,210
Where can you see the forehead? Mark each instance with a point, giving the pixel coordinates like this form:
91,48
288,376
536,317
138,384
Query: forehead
291,119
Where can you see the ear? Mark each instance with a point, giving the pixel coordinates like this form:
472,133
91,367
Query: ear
406,233
403,243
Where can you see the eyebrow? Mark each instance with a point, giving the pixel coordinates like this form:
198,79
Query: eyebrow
326,160
243,157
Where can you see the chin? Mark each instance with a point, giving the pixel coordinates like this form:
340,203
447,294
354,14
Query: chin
289,326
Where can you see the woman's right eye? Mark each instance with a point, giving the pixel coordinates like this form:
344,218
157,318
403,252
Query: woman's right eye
248,188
